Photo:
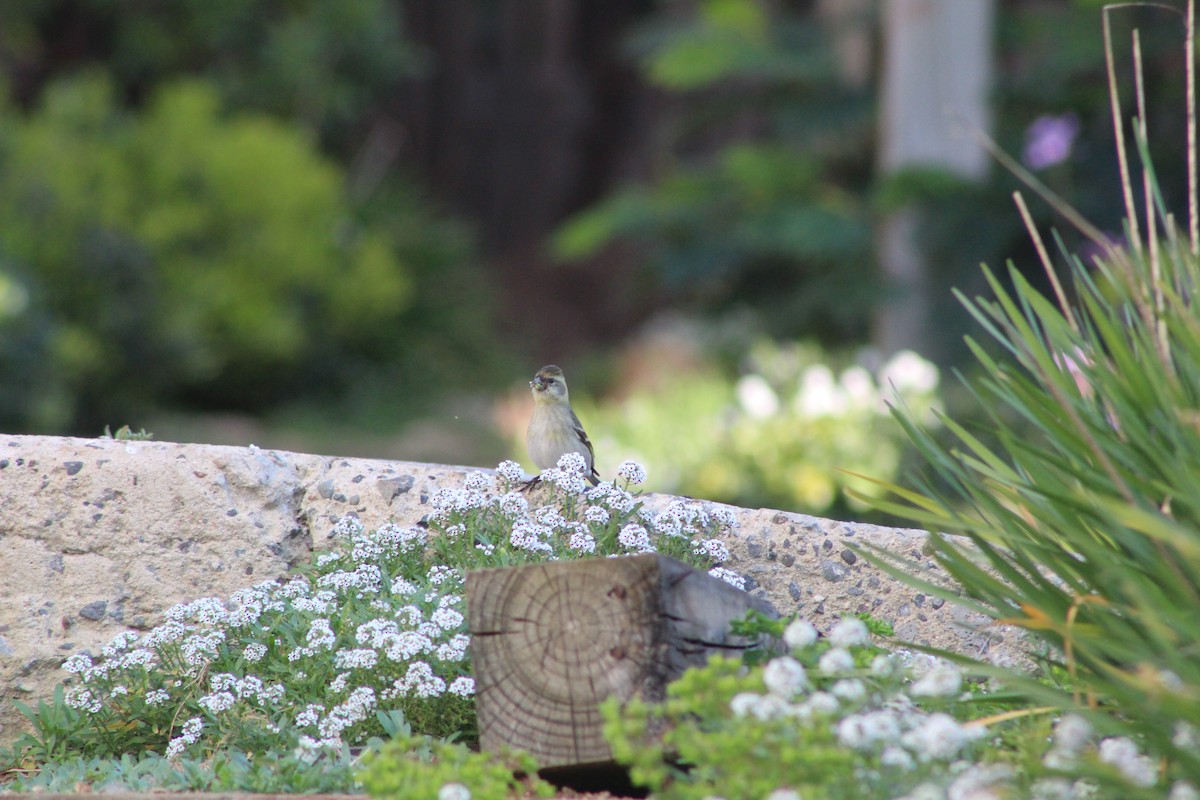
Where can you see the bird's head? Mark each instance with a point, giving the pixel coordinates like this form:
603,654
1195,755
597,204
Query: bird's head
549,385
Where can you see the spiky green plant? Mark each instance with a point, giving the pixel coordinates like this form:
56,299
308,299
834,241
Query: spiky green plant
1079,492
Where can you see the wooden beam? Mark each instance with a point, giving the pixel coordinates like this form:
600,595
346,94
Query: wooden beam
551,641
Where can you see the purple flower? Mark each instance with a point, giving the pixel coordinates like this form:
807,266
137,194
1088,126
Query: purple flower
1049,139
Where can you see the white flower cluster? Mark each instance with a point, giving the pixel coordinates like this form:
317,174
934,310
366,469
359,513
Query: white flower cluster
376,622
821,393
886,725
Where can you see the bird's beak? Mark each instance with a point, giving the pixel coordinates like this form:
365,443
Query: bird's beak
536,383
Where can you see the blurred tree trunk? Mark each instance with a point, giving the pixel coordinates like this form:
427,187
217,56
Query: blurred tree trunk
936,78
529,111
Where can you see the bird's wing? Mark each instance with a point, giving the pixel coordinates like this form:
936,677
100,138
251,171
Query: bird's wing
583,437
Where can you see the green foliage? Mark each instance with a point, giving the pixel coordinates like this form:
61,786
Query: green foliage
321,65
176,248
419,767
788,433
224,771
1076,490
775,220
1076,493
126,433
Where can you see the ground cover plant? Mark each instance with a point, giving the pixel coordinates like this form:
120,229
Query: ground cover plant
368,642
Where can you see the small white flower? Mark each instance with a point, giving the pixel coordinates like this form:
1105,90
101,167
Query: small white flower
756,397
850,632
582,541
742,703
447,619
896,756
819,394
632,472
1071,734
942,680
596,515
510,471
1052,789
1123,754
729,576
514,504
908,372
1182,790
477,482
712,548
822,704
799,634
785,677
850,689
925,791
939,737
1185,736
784,794
885,665
770,706
462,686
982,782
835,661
355,659
454,791
634,537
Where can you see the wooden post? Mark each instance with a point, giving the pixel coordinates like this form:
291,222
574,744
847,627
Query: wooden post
550,641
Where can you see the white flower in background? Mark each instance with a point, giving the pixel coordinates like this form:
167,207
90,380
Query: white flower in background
1123,754
858,387
819,395
784,794
756,397
454,791
462,686
850,632
799,634
906,372
785,677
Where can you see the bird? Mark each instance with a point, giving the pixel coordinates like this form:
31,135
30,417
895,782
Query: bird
554,430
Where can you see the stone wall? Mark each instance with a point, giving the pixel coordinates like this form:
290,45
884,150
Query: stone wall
98,536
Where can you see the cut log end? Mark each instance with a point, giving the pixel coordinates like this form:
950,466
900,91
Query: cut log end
552,641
